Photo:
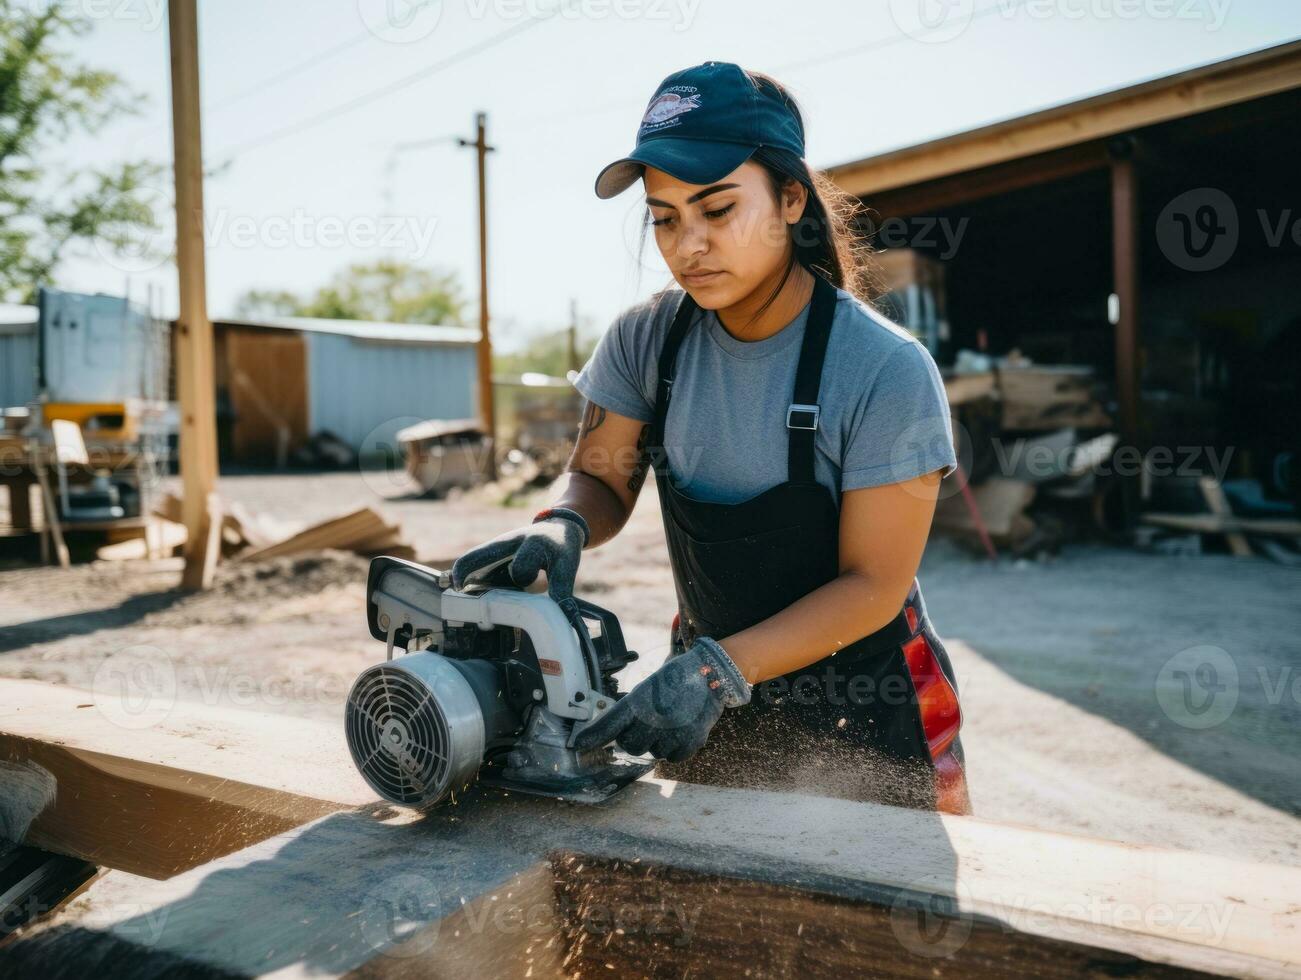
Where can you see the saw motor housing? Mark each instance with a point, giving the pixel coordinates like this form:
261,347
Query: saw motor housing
493,684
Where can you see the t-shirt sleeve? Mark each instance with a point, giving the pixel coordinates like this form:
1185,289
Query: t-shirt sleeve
903,430
614,377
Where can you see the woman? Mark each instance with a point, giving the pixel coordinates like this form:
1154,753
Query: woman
798,438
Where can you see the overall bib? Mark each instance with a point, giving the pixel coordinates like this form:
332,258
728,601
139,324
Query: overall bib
877,719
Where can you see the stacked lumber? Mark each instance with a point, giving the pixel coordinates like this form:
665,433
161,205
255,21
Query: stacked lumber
1028,436
1039,397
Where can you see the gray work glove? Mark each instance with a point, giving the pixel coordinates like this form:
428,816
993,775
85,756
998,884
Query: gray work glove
553,541
671,713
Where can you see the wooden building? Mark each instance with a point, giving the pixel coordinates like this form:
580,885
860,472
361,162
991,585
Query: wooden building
1152,232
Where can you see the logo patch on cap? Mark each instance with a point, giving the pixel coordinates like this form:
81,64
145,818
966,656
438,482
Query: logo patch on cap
668,104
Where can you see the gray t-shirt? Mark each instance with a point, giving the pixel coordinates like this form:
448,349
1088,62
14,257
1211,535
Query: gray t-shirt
884,413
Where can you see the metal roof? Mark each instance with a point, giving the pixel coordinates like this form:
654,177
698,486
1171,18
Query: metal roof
1155,100
406,333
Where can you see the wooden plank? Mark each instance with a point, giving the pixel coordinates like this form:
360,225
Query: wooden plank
1213,494
1211,524
963,388
52,526
130,780
343,531
160,538
375,889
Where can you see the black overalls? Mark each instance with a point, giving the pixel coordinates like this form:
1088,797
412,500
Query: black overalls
877,719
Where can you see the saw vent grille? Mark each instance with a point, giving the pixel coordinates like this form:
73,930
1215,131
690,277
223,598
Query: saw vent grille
399,736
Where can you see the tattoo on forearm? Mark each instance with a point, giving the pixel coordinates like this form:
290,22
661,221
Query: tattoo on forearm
643,461
593,417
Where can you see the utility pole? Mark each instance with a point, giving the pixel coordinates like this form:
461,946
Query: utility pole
487,412
200,507
573,335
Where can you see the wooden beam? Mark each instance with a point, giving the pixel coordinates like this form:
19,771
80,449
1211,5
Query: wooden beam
1125,237
382,889
194,359
1198,90
156,788
948,192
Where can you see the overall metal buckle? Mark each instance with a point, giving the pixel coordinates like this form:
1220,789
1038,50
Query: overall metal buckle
802,417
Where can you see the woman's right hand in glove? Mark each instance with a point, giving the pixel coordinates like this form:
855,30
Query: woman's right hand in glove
554,541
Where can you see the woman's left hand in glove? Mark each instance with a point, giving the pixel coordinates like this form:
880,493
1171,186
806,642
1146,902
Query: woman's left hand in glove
671,712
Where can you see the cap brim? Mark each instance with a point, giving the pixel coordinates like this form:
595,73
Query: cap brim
690,160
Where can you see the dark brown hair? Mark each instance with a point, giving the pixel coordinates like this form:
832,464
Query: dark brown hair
826,239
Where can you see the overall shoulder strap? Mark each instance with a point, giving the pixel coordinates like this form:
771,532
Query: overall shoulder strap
668,358
802,417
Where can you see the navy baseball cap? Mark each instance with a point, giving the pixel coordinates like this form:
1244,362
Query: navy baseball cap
702,123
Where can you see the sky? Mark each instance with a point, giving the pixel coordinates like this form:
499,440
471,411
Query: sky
330,125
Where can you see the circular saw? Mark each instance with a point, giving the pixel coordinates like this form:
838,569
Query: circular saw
492,685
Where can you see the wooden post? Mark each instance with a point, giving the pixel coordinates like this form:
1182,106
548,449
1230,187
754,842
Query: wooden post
573,364
194,375
487,411
1125,277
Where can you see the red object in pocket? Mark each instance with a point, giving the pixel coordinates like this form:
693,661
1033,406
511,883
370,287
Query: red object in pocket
936,699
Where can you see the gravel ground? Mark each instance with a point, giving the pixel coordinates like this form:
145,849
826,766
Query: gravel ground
1129,696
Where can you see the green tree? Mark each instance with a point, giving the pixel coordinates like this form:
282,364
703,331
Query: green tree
385,290
546,353
45,97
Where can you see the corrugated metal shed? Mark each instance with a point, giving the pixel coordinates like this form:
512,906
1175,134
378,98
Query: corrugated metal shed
365,390
364,380
18,354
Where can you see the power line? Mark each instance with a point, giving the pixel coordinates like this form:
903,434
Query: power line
873,45
290,72
885,42
386,90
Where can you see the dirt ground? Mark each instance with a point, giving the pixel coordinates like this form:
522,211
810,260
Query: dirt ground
1129,696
